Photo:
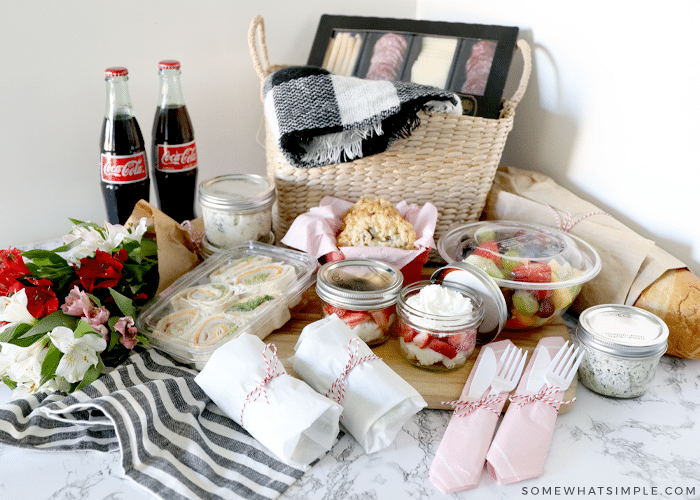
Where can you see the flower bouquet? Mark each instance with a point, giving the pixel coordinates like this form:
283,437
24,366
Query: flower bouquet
68,313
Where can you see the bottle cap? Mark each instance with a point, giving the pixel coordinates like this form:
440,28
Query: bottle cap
116,71
169,64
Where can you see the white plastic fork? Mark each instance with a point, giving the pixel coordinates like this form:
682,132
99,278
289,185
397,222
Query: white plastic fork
508,371
562,369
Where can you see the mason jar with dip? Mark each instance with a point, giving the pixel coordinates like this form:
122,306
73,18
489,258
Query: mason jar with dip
236,208
623,346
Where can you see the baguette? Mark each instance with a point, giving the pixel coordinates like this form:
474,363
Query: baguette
675,298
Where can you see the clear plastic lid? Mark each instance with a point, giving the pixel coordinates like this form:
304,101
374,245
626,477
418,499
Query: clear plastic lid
624,331
499,247
359,284
237,192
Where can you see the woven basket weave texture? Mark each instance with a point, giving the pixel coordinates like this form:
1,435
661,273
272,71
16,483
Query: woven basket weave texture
449,161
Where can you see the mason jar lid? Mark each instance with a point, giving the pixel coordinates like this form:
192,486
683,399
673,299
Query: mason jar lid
624,331
237,193
359,284
495,307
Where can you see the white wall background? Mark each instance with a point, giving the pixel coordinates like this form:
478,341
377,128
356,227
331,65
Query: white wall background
611,111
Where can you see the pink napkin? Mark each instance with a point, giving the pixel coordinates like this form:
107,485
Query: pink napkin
519,450
459,460
314,232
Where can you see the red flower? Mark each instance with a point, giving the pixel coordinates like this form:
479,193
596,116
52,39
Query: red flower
41,300
102,270
11,267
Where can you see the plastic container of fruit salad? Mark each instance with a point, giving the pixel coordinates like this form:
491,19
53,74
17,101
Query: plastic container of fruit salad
248,288
539,270
362,293
438,324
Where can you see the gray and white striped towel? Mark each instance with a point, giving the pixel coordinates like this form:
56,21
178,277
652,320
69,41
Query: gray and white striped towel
174,441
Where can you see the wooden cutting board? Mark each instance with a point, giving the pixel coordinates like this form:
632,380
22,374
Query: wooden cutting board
435,387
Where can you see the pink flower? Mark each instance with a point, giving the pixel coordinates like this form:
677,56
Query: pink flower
125,326
77,303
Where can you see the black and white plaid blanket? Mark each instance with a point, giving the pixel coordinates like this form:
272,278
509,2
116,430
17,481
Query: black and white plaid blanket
319,118
174,441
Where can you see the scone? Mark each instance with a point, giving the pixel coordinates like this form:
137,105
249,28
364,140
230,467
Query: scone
375,222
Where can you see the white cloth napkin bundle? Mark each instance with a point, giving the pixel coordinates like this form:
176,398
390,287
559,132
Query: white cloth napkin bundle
376,401
248,383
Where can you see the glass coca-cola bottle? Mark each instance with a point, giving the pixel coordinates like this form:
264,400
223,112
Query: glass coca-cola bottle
124,165
174,152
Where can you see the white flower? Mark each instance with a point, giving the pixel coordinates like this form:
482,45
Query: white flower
116,233
79,354
22,364
106,240
90,241
15,310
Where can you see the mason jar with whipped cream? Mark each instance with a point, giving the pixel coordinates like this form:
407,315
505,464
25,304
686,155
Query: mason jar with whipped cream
236,208
623,346
438,324
362,293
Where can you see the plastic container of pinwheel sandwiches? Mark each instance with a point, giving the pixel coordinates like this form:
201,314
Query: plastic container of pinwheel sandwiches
248,288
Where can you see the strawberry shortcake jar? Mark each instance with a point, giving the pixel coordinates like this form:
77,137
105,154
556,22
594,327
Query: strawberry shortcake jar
438,324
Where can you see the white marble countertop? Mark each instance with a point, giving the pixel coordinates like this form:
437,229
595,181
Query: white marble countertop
602,448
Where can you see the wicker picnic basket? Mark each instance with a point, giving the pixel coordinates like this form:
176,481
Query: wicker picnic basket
449,161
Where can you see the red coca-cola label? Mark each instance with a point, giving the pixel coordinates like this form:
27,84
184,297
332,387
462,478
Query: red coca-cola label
178,157
119,169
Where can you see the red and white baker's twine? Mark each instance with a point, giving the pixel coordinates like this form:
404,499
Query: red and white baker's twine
270,373
567,223
337,389
545,394
464,408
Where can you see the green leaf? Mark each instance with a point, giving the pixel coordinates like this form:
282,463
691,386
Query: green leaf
91,374
125,304
94,299
48,367
27,341
48,323
84,327
16,330
88,225
9,383
44,257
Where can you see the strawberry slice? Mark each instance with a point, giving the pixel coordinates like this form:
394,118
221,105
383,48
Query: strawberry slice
349,317
443,348
488,249
463,341
382,317
533,272
407,332
422,339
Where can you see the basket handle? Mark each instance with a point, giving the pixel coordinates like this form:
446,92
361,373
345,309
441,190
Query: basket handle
256,39
510,104
261,62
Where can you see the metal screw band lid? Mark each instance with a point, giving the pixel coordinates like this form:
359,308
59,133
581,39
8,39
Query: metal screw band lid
359,284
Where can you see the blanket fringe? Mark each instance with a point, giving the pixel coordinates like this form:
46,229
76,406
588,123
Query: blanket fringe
335,147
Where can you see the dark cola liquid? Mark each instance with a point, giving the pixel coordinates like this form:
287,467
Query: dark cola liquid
175,190
122,136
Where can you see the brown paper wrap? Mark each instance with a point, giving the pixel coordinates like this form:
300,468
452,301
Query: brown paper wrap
177,246
635,271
